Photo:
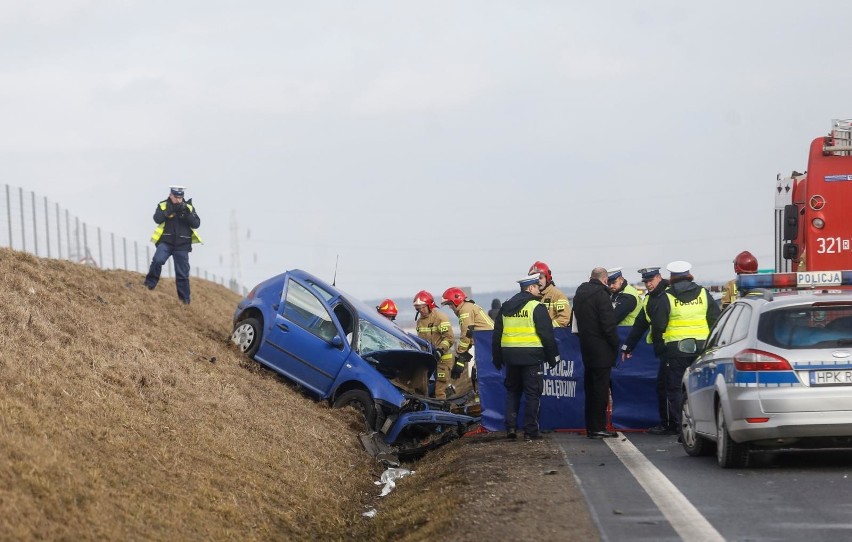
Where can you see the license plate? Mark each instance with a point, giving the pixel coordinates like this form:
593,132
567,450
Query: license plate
831,378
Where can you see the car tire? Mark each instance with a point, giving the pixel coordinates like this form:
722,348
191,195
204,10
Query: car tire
361,401
730,454
246,336
693,443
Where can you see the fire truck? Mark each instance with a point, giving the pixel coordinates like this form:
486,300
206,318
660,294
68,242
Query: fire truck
813,210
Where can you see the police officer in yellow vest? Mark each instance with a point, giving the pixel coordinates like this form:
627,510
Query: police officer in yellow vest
177,220
625,298
684,318
523,341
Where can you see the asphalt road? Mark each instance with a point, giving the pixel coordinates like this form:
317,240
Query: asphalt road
645,487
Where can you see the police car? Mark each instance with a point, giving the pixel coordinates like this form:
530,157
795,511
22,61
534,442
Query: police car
775,372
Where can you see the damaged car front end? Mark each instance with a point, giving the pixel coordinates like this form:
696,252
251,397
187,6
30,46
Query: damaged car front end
344,352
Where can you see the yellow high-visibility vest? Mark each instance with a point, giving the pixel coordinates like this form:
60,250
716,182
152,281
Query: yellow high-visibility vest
158,231
630,318
519,328
687,320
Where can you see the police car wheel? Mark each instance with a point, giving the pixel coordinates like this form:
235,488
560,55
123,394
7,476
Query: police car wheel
246,336
730,454
361,401
693,444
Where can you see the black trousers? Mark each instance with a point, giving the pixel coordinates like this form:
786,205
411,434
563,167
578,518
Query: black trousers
526,380
596,386
674,393
662,402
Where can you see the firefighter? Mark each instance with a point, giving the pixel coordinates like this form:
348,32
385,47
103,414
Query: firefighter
387,308
745,263
434,326
472,318
552,297
656,286
625,298
683,321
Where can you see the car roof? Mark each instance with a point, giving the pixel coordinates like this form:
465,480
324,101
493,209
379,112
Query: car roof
365,312
767,299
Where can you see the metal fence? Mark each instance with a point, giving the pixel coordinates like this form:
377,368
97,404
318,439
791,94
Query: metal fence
43,228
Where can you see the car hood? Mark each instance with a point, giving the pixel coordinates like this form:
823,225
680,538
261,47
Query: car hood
398,361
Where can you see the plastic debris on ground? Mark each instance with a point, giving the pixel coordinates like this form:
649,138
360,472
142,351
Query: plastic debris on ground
371,513
389,478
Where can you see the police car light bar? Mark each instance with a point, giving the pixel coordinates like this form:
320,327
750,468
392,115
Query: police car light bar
799,280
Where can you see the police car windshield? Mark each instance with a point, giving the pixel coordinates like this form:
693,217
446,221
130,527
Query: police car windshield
807,327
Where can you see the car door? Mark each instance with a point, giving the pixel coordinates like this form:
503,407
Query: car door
305,342
703,370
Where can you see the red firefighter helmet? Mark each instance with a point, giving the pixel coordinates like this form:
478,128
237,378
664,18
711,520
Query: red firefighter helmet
388,309
541,267
454,296
424,298
745,262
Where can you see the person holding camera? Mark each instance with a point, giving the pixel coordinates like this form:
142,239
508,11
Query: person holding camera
177,221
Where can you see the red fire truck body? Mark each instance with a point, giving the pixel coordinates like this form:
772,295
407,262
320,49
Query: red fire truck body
813,211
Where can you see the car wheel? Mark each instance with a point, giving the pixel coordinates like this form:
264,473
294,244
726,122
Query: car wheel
694,444
730,454
361,401
246,336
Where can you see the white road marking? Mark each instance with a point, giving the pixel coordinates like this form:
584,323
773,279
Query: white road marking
684,518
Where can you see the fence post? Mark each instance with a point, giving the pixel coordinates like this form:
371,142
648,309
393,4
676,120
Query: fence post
77,235
23,226
58,233
136,255
85,257
112,247
124,242
35,228
100,250
9,215
68,232
46,226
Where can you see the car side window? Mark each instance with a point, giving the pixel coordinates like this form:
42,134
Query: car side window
727,330
305,310
713,339
740,328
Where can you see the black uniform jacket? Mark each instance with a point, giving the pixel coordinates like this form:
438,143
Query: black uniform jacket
641,325
596,324
684,291
179,224
525,355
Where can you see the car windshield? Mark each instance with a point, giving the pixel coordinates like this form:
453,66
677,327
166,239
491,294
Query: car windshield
812,326
374,339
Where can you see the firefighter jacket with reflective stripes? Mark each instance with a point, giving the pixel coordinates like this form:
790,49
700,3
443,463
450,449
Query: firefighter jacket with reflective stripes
472,318
557,305
174,227
435,327
729,293
627,304
523,333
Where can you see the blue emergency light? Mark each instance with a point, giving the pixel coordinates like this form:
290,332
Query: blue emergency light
798,280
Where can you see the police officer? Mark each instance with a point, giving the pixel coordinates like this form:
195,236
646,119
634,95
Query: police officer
625,298
655,286
174,236
434,326
472,318
687,311
744,263
552,297
523,342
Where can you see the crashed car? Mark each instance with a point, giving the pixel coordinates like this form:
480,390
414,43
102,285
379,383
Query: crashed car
344,352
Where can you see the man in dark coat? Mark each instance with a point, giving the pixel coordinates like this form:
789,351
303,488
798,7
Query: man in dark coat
598,346
523,342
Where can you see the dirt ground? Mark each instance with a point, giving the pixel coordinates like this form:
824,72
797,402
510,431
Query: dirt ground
485,487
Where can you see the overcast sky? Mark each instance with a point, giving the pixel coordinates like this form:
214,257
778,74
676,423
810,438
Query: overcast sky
426,144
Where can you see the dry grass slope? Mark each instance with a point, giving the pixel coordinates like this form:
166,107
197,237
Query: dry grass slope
115,424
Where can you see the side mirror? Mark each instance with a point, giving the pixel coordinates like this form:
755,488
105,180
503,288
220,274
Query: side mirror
687,346
337,342
790,251
791,222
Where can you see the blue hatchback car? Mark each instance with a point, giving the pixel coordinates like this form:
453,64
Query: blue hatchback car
344,352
